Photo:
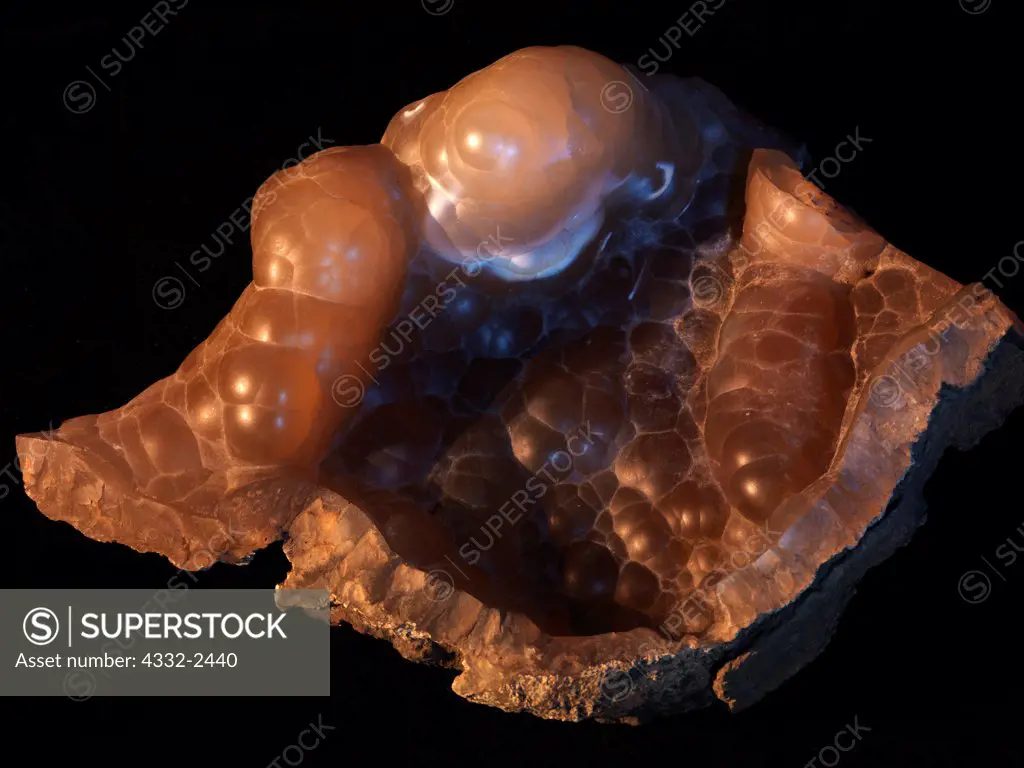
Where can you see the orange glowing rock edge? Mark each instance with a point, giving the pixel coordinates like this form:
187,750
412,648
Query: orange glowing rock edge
576,398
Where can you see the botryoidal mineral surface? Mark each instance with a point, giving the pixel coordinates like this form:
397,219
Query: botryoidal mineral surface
578,388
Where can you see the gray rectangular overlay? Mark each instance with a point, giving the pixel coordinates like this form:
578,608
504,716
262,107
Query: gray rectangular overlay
174,642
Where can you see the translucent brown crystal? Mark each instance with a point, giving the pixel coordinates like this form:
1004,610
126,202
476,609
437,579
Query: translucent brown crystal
578,399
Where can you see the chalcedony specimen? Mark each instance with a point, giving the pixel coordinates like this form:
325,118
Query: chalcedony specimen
573,385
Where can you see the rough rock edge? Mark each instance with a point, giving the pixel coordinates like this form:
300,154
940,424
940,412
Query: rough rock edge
609,679
959,420
760,656
59,476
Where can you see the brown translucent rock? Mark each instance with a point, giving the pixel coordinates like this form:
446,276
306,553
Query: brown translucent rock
536,395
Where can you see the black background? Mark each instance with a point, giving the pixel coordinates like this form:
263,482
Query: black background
98,206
